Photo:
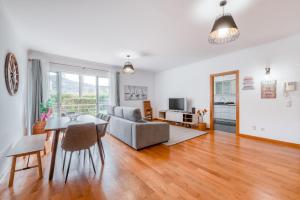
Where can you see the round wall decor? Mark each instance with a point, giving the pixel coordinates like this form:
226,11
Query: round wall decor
11,74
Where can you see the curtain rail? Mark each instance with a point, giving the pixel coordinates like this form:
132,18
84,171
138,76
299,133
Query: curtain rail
74,66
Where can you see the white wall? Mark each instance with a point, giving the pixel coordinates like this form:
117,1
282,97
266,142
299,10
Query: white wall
139,78
272,118
12,108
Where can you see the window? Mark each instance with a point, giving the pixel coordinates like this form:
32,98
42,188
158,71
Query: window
83,94
69,93
53,90
103,94
88,95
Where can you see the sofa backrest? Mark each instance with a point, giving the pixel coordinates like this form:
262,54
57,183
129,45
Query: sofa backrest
132,114
129,113
118,111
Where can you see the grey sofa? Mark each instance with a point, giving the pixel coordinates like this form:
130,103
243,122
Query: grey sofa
126,124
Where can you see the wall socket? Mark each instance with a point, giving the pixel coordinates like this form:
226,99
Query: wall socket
254,128
262,129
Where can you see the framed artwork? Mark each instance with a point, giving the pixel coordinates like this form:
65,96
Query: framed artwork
248,83
268,89
135,93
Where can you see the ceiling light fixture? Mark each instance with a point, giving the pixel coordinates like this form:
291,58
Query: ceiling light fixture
128,67
268,70
224,29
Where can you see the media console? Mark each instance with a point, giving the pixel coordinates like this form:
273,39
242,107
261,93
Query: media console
179,117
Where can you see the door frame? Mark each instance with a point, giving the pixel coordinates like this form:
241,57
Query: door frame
212,88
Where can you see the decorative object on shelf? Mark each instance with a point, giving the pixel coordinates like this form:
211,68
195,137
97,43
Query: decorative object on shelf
224,29
11,74
248,83
193,110
268,89
128,67
46,110
72,115
201,114
135,93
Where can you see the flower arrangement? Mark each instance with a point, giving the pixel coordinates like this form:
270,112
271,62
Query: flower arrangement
202,113
46,110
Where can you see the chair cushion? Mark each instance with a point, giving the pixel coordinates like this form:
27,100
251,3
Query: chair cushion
132,114
118,111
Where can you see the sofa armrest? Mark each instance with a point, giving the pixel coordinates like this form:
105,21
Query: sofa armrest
150,133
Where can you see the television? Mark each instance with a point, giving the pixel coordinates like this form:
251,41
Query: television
177,104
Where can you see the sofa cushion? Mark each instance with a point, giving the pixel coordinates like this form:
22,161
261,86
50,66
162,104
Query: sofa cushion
132,114
110,110
118,111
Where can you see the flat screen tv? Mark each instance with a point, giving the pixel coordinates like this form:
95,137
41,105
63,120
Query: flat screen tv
177,104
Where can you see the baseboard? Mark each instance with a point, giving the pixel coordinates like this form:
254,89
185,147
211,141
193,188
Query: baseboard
290,144
5,163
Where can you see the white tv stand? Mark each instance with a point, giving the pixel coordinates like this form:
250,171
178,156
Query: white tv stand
179,117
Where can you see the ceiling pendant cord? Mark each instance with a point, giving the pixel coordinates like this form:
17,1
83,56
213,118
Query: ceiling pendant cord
223,4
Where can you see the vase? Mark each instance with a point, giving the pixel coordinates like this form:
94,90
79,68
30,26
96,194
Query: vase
202,126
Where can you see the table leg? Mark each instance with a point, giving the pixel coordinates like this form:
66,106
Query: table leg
54,146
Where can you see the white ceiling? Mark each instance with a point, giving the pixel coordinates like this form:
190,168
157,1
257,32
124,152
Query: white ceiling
161,33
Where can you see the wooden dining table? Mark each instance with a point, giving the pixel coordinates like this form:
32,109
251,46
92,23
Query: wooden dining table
58,124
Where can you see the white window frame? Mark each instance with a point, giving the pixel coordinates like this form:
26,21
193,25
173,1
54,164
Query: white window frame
59,89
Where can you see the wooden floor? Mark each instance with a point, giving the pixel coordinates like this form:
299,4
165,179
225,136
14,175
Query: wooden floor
214,166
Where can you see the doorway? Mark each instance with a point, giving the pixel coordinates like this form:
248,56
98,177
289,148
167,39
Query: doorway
224,102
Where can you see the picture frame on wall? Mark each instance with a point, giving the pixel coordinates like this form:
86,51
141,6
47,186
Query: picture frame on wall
268,89
248,83
135,93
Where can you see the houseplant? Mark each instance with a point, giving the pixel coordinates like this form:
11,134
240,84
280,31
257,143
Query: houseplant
46,112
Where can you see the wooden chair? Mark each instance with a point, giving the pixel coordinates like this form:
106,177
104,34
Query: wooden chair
26,146
148,110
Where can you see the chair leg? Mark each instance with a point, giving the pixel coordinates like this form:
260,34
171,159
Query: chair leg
92,160
68,167
64,160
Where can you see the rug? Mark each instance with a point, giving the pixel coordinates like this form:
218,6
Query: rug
180,134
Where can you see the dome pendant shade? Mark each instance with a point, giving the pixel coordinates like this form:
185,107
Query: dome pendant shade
128,68
224,30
